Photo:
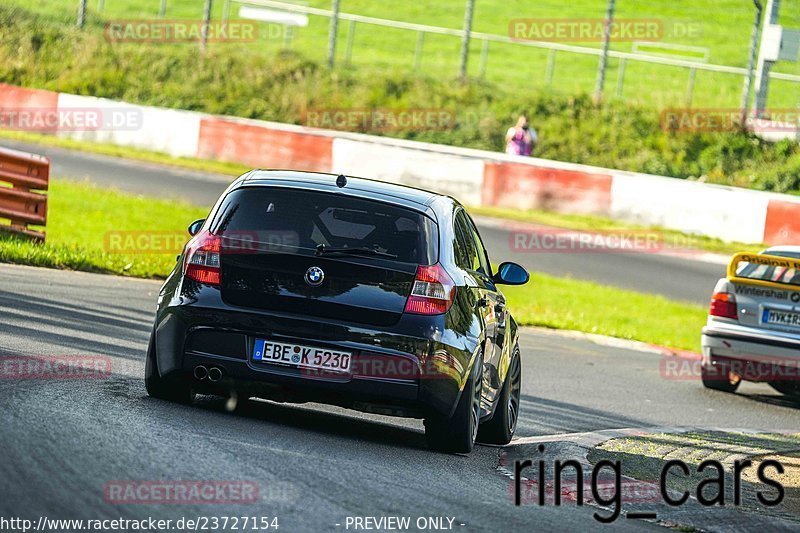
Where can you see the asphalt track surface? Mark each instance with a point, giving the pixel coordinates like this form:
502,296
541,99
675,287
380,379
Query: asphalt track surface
63,440
677,278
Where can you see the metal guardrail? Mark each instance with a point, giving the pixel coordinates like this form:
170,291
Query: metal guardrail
21,176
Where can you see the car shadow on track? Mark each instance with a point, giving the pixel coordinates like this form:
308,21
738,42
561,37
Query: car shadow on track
292,416
542,416
776,399
71,326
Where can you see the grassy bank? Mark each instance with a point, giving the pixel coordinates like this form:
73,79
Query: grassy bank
283,85
565,303
106,231
725,36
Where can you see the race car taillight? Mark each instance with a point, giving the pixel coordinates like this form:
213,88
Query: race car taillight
723,305
202,259
433,291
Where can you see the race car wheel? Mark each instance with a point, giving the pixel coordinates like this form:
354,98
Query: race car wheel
718,376
457,434
786,387
500,429
172,390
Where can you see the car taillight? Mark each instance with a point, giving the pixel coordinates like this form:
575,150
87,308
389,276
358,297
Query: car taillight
433,291
202,259
723,305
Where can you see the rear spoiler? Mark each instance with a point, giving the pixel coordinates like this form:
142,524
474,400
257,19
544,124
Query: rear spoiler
762,259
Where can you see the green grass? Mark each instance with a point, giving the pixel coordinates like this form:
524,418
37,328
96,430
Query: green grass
565,303
724,27
80,216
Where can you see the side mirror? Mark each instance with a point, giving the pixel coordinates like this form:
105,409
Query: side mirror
195,226
511,274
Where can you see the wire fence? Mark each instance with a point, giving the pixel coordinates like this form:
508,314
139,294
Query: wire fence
652,69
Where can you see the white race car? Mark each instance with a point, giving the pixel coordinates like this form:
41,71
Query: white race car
753,329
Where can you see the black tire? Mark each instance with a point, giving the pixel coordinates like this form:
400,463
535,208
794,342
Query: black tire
789,388
458,433
172,390
500,429
718,376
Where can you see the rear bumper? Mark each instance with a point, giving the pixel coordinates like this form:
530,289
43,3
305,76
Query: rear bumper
392,372
755,354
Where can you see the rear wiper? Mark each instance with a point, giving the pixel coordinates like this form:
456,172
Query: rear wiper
363,250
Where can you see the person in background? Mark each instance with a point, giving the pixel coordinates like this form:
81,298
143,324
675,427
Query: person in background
521,139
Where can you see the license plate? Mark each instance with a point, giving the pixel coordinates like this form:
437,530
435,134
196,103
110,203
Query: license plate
297,355
781,318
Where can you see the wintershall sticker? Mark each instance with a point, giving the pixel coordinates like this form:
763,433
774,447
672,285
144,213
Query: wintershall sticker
55,367
748,290
180,492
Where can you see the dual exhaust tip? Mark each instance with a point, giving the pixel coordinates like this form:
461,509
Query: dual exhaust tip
213,374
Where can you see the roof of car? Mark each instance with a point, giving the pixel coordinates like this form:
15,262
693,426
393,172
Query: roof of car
792,249
381,190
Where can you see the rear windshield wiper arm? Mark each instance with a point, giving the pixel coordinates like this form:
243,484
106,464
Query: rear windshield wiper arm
363,250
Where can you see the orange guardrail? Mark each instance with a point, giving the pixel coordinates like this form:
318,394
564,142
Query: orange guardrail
23,179
774,261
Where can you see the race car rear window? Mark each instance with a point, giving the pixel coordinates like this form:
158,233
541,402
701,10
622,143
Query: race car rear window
298,221
775,273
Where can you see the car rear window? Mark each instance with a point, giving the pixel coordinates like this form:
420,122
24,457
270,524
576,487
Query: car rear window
295,220
777,273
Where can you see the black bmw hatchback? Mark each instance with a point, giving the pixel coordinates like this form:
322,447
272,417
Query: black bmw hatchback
305,287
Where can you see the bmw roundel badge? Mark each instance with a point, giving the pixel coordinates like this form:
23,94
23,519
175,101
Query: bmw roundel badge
315,276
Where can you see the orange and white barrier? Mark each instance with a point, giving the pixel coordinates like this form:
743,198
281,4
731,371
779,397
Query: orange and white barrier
264,145
476,177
